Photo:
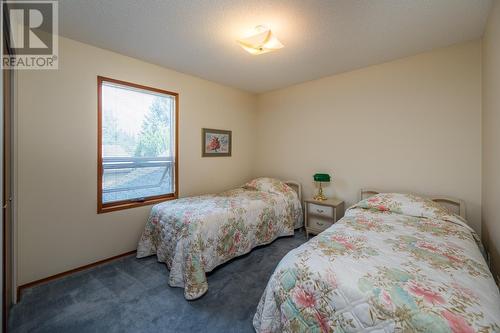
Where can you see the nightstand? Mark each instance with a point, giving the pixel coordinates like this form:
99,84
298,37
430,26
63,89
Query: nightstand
320,215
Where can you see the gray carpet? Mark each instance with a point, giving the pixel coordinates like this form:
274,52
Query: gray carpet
132,295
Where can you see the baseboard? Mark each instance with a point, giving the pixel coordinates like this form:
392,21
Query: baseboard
71,271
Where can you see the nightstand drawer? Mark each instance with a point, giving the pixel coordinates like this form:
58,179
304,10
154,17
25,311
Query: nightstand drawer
326,211
318,223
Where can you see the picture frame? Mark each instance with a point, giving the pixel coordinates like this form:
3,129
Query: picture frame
216,143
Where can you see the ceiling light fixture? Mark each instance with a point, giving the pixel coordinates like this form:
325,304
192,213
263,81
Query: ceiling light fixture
260,42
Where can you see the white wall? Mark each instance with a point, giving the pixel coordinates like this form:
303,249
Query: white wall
407,125
58,228
412,124
491,137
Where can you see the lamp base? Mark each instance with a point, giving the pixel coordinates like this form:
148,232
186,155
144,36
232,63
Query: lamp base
320,196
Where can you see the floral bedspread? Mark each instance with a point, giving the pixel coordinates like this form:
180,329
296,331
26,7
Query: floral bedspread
394,263
194,235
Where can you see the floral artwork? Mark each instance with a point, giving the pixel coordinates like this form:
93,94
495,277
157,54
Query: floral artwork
394,263
216,142
194,235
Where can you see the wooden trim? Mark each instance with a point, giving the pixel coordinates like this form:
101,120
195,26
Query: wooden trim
137,86
71,271
126,204
176,166
120,205
99,145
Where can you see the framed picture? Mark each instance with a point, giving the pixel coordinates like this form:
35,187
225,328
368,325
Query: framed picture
215,142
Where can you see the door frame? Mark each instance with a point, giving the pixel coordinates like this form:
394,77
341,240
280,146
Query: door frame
8,294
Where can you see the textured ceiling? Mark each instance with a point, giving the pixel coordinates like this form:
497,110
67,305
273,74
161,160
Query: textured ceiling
321,37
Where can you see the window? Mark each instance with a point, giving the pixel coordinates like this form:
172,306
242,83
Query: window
137,145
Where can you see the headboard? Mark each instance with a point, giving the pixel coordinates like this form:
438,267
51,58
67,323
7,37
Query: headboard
296,187
455,206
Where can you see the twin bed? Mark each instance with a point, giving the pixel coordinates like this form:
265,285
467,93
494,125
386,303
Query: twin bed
395,262
196,234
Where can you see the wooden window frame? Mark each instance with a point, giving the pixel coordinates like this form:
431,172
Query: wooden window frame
126,204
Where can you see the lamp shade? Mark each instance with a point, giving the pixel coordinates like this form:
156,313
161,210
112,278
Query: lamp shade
321,177
262,41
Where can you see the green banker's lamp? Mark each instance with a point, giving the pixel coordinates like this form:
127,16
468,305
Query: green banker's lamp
321,178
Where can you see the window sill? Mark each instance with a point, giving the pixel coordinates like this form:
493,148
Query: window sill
106,208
